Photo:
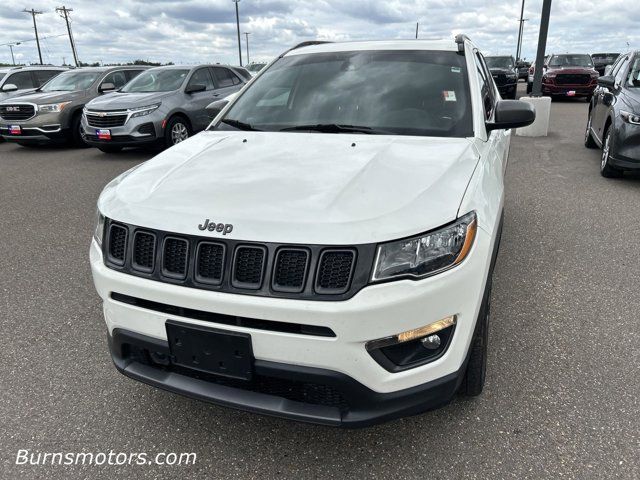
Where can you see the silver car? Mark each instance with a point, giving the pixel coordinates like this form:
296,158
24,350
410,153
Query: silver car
162,106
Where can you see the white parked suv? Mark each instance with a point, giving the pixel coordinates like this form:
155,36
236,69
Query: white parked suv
324,250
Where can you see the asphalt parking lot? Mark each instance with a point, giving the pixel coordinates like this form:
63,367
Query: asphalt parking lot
563,389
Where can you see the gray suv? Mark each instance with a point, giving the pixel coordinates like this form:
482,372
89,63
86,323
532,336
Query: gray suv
16,81
53,112
163,106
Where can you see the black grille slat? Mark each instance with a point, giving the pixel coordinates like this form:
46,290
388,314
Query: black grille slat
117,243
23,112
144,251
210,263
175,257
335,271
572,79
107,121
290,270
248,267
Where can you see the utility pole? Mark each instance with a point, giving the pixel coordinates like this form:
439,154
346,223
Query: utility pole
246,34
238,27
417,25
11,45
64,13
520,30
35,27
542,47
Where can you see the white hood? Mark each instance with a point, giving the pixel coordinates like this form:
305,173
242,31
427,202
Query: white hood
308,188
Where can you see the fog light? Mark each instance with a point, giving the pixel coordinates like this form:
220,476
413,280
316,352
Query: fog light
431,342
413,348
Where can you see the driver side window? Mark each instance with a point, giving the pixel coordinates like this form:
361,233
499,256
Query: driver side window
202,77
486,87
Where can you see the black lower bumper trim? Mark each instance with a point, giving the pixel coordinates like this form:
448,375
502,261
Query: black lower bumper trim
122,141
289,391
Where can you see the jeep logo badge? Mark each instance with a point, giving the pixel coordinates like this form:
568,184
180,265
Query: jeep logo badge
223,228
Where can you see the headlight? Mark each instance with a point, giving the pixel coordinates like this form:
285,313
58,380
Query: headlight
427,254
99,231
142,111
53,107
629,117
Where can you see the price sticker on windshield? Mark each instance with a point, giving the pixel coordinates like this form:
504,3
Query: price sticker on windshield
449,96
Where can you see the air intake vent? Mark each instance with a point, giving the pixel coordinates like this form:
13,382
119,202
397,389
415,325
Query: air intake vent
174,257
290,270
117,244
335,271
144,251
248,267
210,263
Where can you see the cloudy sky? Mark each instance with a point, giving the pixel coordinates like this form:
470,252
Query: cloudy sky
190,31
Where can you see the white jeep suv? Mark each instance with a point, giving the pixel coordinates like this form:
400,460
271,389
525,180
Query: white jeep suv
324,250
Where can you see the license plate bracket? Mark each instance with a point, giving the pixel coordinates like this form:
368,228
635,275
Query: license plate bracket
210,350
15,129
103,134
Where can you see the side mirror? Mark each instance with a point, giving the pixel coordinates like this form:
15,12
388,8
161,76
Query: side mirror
9,87
107,87
512,114
214,108
607,81
196,87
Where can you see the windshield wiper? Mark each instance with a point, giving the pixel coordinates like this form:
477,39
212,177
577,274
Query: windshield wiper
240,125
336,128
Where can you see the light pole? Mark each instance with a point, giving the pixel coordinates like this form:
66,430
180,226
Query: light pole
11,45
520,32
238,28
542,46
246,34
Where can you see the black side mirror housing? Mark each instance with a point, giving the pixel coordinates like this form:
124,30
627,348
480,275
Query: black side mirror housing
214,108
607,81
106,87
512,114
196,87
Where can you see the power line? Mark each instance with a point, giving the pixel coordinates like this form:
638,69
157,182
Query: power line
64,13
33,39
35,27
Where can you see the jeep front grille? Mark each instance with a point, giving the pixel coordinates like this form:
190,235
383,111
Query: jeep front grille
21,111
312,272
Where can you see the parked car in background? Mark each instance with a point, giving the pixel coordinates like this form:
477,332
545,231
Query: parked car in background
523,69
255,67
163,106
601,60
324,251
569,75
242,72
614,117
504,73
53,113
16,81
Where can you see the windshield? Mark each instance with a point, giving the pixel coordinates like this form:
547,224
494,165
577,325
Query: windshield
499,62
605,57
255,67
70,81
571,61
157,80
390,92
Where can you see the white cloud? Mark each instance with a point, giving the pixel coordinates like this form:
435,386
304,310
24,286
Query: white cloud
194,31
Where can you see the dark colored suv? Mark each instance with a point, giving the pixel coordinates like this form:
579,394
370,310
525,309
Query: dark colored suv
614,117
52,113
569,75
602,60
505,74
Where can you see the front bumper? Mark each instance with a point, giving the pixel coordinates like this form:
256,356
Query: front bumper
625,153
139,131
580,90
44,134
342,362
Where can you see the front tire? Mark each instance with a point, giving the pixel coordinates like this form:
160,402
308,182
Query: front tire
474,378
176,131
606,170
76,132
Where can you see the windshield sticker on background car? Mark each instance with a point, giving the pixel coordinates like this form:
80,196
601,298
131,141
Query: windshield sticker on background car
449,96
455,69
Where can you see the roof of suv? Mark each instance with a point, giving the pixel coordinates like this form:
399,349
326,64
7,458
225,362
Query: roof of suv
446,45
34,67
